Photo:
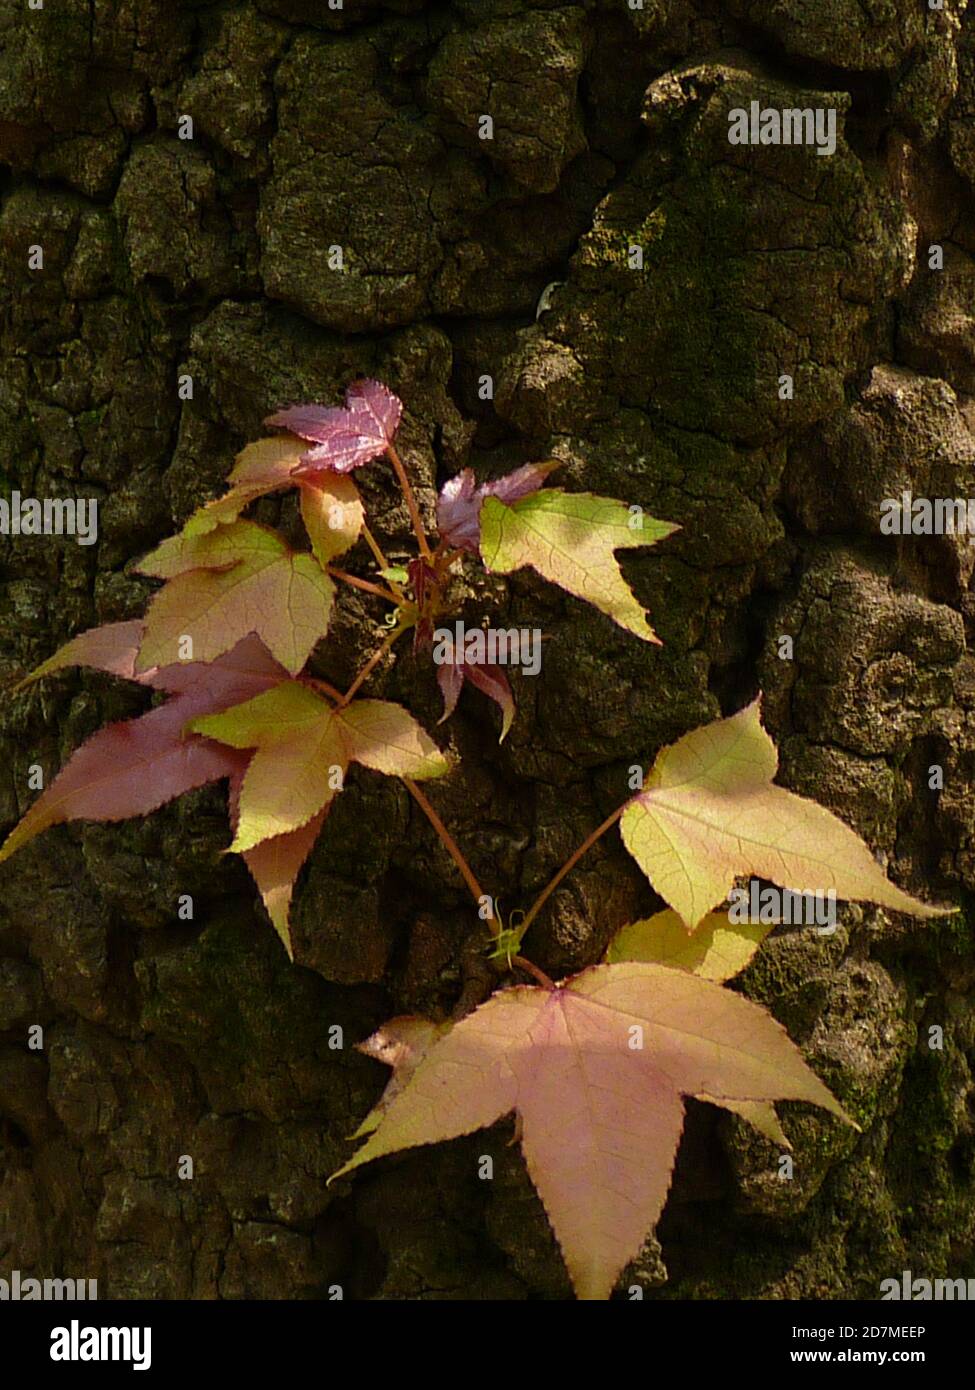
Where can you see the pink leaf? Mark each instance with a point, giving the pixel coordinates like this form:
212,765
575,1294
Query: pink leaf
490,680
134,767
459,504
345,437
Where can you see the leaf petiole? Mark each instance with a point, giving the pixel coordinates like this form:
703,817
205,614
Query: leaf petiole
365,585
373,662
410,501
567,868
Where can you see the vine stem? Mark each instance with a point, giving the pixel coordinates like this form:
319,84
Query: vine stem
375,547
453,849
364,584
523,963
410,501
567,867
324,687
371,664
380,558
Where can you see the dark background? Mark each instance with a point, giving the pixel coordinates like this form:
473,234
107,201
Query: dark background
208,257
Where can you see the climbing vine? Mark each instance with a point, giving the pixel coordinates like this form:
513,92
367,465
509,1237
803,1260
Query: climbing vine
596,1067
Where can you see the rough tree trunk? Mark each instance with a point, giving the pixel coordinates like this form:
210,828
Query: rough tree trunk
209,257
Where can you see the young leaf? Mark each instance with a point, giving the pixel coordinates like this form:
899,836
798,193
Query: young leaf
332,511
597,1070
569,538
112,648
709,812
303,747
402,1044
232,581
490,680
260,468
717,950
346,437
460,500
131,768
276,863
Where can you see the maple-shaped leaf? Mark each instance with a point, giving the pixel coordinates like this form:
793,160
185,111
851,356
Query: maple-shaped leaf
569,539
716,950
454,669
234,580
276,863
346,436
261,467
460,501
112,648
596,1070
402,1044
134,767
302,748
709,813
330,506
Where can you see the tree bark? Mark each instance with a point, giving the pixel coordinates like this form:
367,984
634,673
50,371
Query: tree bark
691,278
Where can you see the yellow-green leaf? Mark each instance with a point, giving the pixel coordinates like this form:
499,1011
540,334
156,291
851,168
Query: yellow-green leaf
388,739
303,746
710,813
227,583
332,511
569,538
716,950
261,467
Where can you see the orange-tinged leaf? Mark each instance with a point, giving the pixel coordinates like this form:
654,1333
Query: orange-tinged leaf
709,813
262,467
332,511
402,1044
299,761
388,739
716,950
303,747
600,1116
230,582
275,865
112,648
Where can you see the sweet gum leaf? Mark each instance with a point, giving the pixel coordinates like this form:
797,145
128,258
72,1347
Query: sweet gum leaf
455,669
112,648
386,738
600,1118
302,748
345,437
264,466
460,500
235,580
709,813
332,511
132,768
402,1044
298,746
760,1114
276,863
569,538
716,950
